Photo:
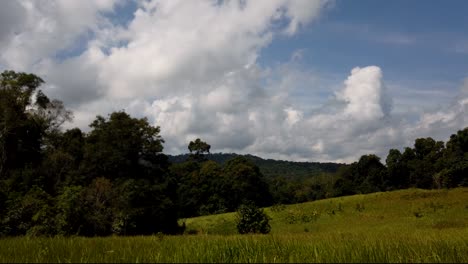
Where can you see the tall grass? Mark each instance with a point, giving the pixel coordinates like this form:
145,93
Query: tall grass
402,226
437,246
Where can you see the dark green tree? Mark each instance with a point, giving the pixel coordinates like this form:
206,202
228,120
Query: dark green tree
455,162
72,212
426,163
251,219
365,176
197,149
128,152
27,119
244,181
122,147
371,174
20,135
398,171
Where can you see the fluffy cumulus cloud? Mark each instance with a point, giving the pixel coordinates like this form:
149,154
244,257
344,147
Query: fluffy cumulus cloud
364,95
35,30
192,68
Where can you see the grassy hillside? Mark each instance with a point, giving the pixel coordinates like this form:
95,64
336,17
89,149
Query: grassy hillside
401,226
271,168
405,210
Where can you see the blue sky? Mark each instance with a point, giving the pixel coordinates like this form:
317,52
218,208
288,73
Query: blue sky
317,80
408,39
420,45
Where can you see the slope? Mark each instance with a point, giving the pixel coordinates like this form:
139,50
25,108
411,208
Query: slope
272,168
397,211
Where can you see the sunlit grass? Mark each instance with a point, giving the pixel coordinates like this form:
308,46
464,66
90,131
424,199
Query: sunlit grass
412,209
401,226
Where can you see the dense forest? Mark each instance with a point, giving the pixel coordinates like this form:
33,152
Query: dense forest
115,179
271,168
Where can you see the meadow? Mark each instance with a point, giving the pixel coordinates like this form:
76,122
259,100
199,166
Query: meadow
401,226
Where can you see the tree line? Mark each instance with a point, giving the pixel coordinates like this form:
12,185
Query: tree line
115,179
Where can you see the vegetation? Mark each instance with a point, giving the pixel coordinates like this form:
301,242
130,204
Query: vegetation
251,219
113,180
375,228
271,169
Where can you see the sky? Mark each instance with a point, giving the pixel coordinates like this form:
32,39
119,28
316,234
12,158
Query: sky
299,80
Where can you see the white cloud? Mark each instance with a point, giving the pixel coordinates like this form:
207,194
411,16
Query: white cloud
192,68
48,27
169,52
364,95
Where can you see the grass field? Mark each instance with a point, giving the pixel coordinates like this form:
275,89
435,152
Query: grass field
401,226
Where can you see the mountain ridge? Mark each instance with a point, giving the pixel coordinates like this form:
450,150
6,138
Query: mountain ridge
272,168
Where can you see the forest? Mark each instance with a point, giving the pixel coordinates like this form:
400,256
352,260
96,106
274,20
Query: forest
116,179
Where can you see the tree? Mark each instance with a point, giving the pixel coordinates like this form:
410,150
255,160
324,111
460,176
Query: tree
251,219
365,176
397,168
244,181
372,174
71,211
455,162
144,208
20,136
31,213
128,152
27,118
426,163
197,148
123,147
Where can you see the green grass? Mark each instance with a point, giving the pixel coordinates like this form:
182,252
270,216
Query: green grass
402,226
404,210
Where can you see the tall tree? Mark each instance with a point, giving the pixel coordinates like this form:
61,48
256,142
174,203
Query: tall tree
20,136
122,147
397,168
198,148
426,162
127,152
27,118
455,162
243,181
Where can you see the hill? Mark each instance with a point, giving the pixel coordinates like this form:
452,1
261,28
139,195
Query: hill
397,211
271,168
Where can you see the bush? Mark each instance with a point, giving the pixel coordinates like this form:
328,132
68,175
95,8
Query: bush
252,219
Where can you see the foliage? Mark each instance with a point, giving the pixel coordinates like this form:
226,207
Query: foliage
251,219
290,170
197,149
112,180
122,147
116,180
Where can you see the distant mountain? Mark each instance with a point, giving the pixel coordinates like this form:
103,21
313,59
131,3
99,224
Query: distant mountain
271,168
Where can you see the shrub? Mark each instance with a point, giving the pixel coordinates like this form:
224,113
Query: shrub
296,216
252,219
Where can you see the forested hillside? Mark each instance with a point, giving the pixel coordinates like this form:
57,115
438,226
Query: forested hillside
271,168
